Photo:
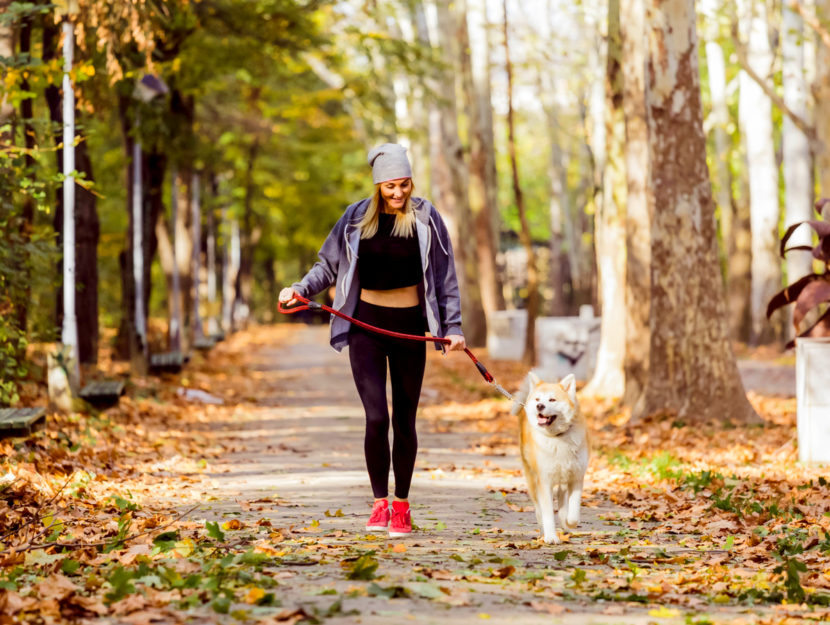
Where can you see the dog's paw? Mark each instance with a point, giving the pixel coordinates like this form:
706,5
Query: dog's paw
552,539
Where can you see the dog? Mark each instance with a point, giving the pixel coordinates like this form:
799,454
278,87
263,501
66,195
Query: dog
553,438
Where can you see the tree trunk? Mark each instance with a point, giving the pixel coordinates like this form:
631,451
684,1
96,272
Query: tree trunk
524,234
608,380
692,370
212,311
449,171
550,84
756,122
559,204
87,228
716,67
638,217
153,167
234,305
196,259
476,82
27,216
6,51
420,110
797,160
245,275
821,96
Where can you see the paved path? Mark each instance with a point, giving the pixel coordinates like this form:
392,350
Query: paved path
768,378
297,459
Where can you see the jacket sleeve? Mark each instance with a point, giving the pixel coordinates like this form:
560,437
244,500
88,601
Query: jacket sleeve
324,272
446,280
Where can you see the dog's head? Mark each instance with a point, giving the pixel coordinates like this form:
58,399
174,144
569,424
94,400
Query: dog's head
551,406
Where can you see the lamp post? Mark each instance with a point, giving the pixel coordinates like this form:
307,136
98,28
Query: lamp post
146,89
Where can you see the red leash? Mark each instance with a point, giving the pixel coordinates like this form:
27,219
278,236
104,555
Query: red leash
310,305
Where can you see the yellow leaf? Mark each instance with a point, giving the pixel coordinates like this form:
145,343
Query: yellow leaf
483,615
721,598
399,548
254,595
184,547
233,524
664,612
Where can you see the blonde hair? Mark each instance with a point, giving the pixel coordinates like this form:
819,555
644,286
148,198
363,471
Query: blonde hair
404,221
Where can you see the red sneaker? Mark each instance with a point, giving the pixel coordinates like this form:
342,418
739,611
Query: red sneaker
380,516
401,520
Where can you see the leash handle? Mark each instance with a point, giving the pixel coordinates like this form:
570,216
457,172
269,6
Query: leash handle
307,304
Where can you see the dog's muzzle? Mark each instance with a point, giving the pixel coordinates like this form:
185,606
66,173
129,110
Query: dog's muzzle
543,419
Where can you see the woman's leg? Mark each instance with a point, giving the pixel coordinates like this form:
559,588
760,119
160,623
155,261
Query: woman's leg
368,359
406,371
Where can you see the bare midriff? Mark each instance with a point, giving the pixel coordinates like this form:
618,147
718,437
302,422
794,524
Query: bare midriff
403,297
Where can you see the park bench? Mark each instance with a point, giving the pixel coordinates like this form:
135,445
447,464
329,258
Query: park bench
168,362
103,394
20,421
205,343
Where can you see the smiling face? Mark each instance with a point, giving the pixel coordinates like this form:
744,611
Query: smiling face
395,193
552,407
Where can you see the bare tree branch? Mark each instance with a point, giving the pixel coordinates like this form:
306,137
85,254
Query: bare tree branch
808,130
811,20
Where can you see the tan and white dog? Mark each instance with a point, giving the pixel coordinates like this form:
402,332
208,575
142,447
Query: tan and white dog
553,437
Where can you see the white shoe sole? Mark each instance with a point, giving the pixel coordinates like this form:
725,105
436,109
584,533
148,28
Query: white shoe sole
376,528
399,534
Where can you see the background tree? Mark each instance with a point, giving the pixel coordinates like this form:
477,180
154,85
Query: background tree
692,370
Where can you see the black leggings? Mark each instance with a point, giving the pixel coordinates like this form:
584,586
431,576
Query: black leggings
368,354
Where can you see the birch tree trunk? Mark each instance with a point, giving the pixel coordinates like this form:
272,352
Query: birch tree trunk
637,218
87,227
797,165
716,66
821,94
755,110
449,171
608,380
476,81
524,234
692,370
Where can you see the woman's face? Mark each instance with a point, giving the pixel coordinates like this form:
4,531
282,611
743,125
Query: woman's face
396,192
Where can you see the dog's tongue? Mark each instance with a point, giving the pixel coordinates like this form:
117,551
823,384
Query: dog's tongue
543,420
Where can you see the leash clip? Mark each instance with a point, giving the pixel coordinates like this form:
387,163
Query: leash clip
505,392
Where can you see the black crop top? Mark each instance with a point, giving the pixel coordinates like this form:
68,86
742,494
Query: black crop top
387,262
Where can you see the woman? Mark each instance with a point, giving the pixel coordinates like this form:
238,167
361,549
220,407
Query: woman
390,259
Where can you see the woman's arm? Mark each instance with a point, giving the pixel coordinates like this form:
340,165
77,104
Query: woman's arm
446,281
324,272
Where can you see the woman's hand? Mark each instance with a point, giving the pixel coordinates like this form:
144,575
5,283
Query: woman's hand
457,343
288,296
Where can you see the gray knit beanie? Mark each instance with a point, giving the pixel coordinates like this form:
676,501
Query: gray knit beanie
389,162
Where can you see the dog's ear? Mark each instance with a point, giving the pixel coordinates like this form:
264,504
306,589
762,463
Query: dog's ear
533,380
568,384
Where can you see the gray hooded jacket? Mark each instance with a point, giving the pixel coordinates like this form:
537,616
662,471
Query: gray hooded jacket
338,266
